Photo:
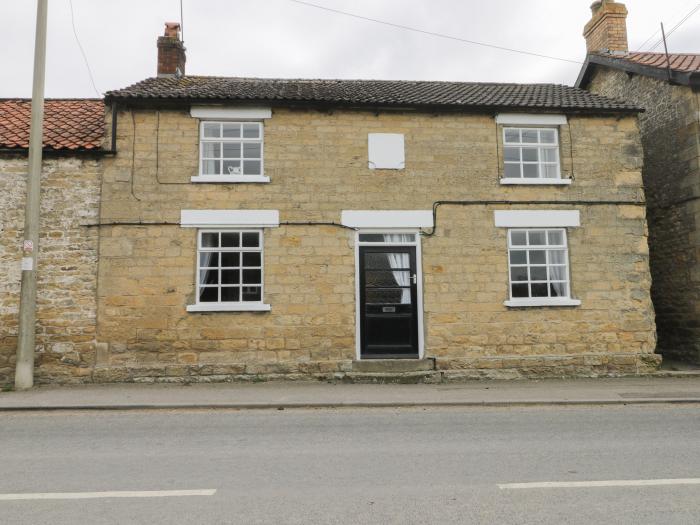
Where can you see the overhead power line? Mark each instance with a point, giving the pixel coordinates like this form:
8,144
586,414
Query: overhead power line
651,37
432,33
82,51
679,24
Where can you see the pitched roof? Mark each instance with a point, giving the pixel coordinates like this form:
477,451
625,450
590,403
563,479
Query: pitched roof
372,93
69,124
684,67
686,62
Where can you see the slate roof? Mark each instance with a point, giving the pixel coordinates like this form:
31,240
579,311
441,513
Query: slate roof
372,93
69,124
685,67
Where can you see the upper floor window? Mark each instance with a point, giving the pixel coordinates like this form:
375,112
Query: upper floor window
231,152
531,154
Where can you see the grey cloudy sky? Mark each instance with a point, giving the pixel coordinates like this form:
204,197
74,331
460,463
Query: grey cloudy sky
279,38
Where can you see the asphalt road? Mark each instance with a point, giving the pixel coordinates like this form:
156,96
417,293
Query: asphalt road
352,466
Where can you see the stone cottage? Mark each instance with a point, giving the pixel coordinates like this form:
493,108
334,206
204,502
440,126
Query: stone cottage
263,228
67,266
668,88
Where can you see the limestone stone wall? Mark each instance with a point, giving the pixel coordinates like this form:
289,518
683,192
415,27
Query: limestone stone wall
670,130
67,266
317,163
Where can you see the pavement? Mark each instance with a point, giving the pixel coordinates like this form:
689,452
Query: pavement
276,395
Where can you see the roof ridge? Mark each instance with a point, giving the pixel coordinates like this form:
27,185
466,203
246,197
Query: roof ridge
378,80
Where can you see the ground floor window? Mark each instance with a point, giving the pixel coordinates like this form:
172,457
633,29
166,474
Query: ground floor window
229,267
538,263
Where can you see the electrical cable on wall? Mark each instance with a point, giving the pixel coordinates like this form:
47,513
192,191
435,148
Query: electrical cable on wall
133,154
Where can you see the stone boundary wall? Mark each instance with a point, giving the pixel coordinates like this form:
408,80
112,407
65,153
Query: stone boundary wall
67,267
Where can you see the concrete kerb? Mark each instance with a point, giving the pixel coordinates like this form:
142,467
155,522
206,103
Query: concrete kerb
341,405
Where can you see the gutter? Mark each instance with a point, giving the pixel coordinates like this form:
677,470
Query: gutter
49,152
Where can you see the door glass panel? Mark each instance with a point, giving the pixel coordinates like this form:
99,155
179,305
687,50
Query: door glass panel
388,296
383,279
389,330
386,261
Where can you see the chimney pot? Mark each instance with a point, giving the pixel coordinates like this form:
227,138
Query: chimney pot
172,29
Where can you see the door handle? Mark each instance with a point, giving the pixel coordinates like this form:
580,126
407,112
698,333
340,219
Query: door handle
414,278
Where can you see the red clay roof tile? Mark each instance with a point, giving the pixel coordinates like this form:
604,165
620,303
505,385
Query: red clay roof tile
685,62
69,124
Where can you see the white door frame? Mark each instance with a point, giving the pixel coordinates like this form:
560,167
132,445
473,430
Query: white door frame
419,284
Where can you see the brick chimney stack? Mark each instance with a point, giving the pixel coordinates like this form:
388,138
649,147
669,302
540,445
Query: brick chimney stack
171,52
607,29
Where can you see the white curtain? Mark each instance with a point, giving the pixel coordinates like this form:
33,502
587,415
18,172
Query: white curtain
203,264
399,237
558,273
402,278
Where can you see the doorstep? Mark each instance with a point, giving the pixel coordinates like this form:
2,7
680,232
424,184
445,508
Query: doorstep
392,366
397,378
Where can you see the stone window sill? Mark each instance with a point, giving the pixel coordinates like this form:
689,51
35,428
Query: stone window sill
545,301
219,307
218,179
535,182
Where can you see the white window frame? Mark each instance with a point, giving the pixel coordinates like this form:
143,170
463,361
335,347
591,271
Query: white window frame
539,180
539,301
230,306
201,177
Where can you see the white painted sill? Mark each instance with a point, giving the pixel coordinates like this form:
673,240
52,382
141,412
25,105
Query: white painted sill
230,178
535,182
219,307
521,303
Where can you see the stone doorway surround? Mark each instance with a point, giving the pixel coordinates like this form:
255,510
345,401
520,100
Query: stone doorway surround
389,222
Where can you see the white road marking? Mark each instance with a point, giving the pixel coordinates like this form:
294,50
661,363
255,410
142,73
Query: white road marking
608,483
109,494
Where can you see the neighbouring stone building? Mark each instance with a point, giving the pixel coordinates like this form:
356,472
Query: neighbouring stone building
668,88
262,228
67,265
